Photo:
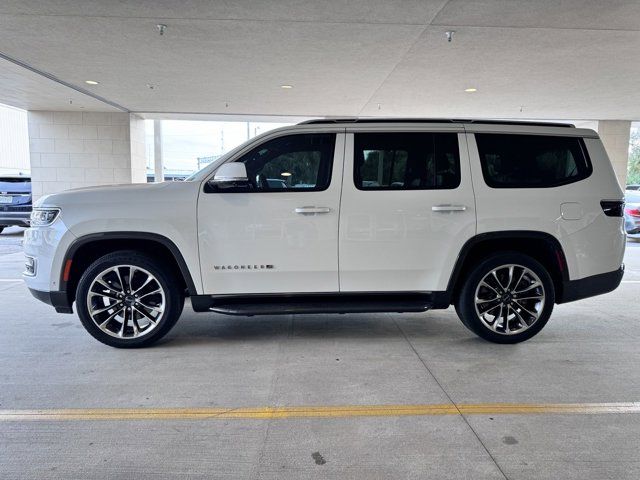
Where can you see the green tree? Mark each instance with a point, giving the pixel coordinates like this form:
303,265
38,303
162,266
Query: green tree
633,170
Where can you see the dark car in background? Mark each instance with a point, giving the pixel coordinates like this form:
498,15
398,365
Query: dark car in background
632,213
15,201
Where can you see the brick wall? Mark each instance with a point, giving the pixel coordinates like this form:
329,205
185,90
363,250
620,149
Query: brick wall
80,149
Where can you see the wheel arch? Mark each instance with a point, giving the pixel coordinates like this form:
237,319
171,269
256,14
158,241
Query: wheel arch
543,247
86,249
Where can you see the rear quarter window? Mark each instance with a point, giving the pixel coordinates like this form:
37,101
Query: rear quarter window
531,161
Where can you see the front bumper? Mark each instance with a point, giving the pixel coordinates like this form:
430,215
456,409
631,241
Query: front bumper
15,218
58,300
573,290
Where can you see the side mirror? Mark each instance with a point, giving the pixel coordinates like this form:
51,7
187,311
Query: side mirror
230,177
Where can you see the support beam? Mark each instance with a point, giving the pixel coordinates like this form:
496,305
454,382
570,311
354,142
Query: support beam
615,138
81,149
157,152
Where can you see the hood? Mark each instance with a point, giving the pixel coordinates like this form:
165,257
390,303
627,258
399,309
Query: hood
131,193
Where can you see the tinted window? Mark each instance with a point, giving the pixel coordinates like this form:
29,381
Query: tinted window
406,161
531,161
293,162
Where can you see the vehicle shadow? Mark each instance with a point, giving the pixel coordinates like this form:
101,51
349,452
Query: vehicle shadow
440,326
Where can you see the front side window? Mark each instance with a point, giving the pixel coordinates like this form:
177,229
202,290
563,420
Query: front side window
406,161
292,162
531,161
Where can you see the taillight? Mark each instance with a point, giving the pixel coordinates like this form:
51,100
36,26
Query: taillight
612,208
634,212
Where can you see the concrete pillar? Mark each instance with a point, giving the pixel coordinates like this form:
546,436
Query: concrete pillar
615,138
158,163
80,149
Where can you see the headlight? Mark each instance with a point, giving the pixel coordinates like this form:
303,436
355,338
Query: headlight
41,217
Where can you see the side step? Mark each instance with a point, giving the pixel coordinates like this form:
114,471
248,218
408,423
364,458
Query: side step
313,303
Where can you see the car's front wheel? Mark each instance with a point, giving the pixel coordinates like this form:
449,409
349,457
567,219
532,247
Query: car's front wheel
126,299
507,298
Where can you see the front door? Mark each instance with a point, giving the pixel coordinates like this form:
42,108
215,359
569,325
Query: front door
407,209
281,236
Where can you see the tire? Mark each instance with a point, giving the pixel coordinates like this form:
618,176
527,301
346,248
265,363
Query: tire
161,299
526,316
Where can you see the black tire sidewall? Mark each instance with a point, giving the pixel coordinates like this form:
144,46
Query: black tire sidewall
465,306
173,298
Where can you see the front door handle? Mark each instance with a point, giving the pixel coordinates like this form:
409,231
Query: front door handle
448,208
312,210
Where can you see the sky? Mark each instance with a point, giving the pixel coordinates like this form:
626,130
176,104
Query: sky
186,140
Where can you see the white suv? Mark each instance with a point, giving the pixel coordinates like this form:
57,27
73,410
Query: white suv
500,219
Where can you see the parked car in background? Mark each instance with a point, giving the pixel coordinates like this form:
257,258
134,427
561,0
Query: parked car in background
633,187
632,213
15,201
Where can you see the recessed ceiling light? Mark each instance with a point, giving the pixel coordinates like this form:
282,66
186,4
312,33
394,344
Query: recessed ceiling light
470,90
91,82
286,87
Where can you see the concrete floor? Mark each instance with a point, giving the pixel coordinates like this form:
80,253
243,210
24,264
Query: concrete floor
587,353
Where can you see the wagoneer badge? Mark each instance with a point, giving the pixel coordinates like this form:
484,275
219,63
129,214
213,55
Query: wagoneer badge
243,267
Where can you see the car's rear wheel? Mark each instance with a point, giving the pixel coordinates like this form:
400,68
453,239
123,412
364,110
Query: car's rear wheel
507,298
127,300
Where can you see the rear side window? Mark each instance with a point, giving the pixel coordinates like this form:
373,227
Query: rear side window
531,161
406,161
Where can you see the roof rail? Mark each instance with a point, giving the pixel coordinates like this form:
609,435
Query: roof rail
433,120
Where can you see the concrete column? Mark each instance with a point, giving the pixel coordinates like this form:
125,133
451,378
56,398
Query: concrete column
80,149
615,138
158,163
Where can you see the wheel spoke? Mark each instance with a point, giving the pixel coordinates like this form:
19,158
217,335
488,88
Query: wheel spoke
146,282
150,293
145,314
529,287
520,317
150,307
536,297
495,275
111,317
117,270
485,284
515,286
105,309
125,319
112,296
533,314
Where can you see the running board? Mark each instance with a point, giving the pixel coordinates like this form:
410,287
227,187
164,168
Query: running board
313,303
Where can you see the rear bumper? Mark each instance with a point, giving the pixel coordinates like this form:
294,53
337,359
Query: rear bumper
573,290
58,300
15,218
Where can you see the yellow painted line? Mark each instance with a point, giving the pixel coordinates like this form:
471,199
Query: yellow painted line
337,411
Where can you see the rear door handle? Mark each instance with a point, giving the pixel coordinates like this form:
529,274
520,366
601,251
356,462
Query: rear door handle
449,208
312,210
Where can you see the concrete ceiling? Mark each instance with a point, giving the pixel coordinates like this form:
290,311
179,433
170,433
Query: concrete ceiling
543,59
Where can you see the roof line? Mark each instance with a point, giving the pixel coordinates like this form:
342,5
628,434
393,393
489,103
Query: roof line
435,120
52,77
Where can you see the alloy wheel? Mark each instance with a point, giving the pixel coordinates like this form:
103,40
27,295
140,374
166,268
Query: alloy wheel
126,301
509,299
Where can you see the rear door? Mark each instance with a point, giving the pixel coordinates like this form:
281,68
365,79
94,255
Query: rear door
282,236
407,208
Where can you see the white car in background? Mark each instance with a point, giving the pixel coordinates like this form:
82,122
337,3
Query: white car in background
632,213
500,219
